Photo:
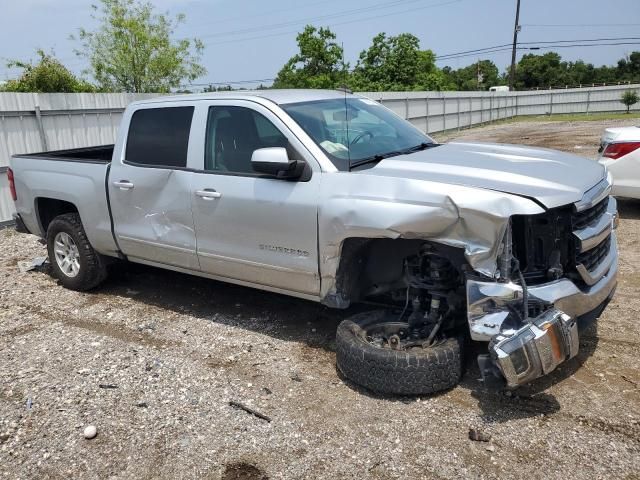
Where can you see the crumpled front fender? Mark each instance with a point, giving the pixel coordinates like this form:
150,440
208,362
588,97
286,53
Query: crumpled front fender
366,206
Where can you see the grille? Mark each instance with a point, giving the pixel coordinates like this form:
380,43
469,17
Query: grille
592,258
540,243
544,242
593,214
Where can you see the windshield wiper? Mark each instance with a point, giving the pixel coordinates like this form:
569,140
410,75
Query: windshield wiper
419,147
375,158
395,153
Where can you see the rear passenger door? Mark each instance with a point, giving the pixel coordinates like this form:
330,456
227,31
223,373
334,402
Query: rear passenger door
251,227
149,188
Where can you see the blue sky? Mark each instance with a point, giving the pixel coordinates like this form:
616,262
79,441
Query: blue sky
252,39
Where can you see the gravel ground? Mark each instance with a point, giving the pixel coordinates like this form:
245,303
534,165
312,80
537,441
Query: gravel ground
153,358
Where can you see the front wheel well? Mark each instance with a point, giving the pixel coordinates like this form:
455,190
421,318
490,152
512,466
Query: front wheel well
372,267
49,208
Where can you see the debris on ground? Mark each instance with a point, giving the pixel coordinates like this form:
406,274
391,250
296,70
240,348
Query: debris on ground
90,432
478,435
250,410
38,264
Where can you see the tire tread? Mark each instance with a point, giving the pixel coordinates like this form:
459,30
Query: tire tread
390,371
93,270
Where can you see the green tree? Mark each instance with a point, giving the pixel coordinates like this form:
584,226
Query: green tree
133,50
318,64
629,68
46,75
541,71
629,98
397,63
478,76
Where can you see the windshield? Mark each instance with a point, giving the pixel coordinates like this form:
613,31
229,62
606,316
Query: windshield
353,131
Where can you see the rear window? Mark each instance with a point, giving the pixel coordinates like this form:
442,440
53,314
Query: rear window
159,136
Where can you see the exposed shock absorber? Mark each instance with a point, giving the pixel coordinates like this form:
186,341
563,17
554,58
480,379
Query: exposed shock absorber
434,277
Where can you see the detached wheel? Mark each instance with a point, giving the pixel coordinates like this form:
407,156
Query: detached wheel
364,354
75,263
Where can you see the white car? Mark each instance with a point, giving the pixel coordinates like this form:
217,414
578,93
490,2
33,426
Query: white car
620,154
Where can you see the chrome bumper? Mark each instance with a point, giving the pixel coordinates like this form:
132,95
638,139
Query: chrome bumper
535,349
487,302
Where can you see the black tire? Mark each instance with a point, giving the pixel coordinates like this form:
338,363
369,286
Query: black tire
414,372
93,269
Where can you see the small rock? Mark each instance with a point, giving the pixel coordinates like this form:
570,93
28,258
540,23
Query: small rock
90,432
478,436
491,448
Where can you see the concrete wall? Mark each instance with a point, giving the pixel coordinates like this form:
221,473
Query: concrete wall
32,122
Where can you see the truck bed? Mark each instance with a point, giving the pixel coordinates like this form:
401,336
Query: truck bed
64,180
98,154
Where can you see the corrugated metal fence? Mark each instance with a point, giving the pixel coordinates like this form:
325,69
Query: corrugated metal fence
36,122
31,122
434,112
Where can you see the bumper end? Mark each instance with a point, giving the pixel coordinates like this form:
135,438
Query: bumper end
535,349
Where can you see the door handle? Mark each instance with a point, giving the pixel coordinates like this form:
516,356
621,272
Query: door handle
208,194
123,185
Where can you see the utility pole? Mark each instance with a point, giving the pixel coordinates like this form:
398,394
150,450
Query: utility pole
516,29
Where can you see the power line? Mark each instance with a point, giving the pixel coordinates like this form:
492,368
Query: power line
570,25
344,13
334,24
554,43
477,50
270,12
474,54
583,40
543,47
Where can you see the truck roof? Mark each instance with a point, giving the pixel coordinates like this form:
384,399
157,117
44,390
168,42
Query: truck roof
279,97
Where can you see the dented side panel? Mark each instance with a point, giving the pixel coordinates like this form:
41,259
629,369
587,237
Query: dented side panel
153,220
372,206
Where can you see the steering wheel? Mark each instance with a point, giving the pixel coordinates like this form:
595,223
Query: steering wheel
359,137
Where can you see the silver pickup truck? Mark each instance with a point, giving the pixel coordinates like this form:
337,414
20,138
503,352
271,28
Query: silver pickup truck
331,197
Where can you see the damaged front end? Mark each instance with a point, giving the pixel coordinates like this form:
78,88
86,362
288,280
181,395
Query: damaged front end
536,349
528,316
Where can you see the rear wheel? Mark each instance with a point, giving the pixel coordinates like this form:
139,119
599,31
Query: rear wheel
75,263
374,351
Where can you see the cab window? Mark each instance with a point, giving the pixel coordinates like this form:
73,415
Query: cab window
159,137
233,133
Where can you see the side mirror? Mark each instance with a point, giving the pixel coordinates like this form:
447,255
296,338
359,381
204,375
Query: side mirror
275,161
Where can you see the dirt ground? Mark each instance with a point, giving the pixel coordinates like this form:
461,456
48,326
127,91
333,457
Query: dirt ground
153,358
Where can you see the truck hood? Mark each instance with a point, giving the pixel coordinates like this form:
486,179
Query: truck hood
550,177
